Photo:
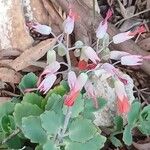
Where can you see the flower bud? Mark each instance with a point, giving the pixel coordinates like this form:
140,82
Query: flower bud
51,56
79,44
42,29
61,50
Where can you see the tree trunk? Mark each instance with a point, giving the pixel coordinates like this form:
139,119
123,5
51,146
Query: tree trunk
13,32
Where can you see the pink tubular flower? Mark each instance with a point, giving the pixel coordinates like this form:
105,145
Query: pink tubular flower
69,23
102,28
91,92
116,55
47,83
121,37
76,85
88,52
49,77
114,71
42,29
84,65
123,105
132,60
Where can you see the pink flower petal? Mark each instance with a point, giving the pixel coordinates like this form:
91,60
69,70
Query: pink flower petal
109,68
70,99
90,54
146,57
47,83
91,92
68,25
52,68
120,89
121,37
116,55
72,79
132,60
123,106
43,29
81,80
101,30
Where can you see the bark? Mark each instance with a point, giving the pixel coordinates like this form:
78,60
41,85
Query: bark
13,32
34,10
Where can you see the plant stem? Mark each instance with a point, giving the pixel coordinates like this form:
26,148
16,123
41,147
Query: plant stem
97,46
67,52
62,132
10,136
104,47
72,48
67,118
120,21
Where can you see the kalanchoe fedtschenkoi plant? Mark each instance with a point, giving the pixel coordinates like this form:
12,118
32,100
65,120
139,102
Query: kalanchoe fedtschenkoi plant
122,37
116,55
102,28
91,92
88,53
128,59
40,28
122,99
69,23
64,117
76,85
49,77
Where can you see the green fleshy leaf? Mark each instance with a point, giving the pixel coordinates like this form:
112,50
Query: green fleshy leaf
65,86
116,142
134,113
127,135
2,136
25,110
49,145
55,103
60,90
145,114
28,81
118,121
39,147
144,127
6,109
96,143
8,124
33,99
51,122
82,130
14,143
32,129
89,108
77,108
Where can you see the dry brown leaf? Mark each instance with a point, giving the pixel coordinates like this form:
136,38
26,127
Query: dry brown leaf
122,9
143,146
130,11
4,99
148,4
2,85
6,63
39,64
32,54
145,44
9,53
9,75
